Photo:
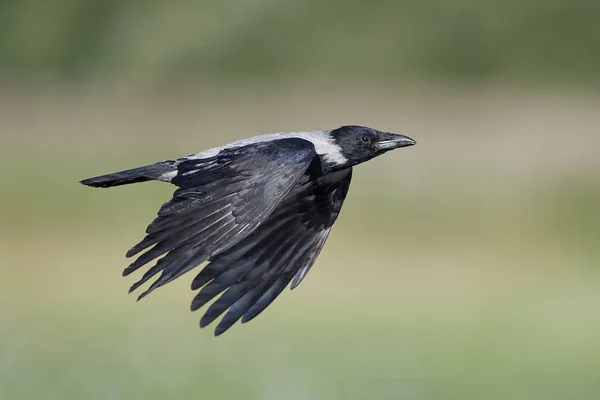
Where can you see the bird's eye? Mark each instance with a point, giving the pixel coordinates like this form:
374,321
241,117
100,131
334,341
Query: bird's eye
366,139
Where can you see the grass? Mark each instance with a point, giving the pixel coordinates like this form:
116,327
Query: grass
457,281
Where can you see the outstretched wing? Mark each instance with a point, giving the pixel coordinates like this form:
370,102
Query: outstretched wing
282,249
220,200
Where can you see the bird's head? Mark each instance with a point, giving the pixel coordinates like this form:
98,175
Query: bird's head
359,143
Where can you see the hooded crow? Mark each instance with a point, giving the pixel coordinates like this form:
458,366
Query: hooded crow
258,210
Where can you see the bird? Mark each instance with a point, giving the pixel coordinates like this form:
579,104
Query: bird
258,210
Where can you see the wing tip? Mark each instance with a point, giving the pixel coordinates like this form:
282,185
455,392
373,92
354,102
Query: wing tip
194,306
219,330
132,252
146,293
247,318
223,326
203,322
126,272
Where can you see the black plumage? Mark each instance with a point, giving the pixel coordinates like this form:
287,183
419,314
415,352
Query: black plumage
259,211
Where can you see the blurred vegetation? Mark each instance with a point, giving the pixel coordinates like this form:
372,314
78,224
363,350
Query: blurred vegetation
467,267
397,41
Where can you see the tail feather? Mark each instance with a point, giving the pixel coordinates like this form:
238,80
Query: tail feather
159,171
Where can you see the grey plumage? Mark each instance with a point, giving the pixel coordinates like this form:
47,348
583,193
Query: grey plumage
258,210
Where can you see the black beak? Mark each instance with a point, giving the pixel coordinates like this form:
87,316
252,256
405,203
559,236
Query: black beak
393,141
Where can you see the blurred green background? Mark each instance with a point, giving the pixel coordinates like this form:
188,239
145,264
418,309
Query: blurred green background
466,267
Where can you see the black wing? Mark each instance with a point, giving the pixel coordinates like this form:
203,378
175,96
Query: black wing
280,250
220,201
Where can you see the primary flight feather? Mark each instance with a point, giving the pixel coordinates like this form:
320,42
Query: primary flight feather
258,210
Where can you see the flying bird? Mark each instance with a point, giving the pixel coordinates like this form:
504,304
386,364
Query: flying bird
258,210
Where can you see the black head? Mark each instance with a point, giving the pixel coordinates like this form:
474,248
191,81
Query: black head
359,143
